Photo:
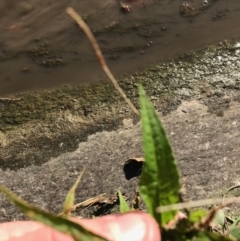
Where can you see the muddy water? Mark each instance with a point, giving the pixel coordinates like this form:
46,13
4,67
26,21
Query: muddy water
41,47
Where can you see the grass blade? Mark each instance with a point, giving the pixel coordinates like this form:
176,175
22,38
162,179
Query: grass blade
159,182
70,198
123,204
235,223
59,223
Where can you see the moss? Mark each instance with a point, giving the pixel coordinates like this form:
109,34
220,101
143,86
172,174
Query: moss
36,106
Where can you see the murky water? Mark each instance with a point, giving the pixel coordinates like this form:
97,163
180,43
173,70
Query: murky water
41,47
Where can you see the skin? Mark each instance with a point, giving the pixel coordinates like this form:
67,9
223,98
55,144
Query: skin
135,226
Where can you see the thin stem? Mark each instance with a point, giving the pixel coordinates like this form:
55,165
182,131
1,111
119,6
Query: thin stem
74,15
198,203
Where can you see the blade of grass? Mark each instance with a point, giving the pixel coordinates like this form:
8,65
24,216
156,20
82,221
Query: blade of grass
159,182
59,223
235,223
123,204
70,198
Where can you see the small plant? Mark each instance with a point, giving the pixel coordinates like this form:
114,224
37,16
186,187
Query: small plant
124,208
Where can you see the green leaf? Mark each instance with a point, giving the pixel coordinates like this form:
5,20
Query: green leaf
208,236
59,223
235,232
159,182
70,198
219,218
123,204
235,223
235,229
197,215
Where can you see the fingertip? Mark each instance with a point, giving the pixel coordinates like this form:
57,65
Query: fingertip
29,231
133,226
139,226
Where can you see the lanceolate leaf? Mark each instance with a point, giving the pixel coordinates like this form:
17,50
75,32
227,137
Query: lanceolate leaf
61,224
69,201
159,183
123,204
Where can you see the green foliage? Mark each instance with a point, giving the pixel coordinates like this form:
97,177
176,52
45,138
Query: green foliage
159,183
70,198
235,223
235,232
235,229
123,204
219,218
59,223
197,215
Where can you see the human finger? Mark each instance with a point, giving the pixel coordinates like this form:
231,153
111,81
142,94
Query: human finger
135,226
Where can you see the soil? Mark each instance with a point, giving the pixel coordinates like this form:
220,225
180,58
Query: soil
48,136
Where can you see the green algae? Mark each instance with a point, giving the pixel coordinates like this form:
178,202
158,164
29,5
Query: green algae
37,105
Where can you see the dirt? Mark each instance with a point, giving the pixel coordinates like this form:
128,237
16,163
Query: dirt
46,135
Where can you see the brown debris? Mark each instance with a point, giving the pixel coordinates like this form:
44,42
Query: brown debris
101,199
135,204
125,7
9,100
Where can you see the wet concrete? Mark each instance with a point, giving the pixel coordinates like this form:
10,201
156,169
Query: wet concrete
41,47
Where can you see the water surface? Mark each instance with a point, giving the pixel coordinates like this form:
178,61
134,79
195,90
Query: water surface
41,47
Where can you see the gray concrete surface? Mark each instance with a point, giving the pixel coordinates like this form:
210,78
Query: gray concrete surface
207,148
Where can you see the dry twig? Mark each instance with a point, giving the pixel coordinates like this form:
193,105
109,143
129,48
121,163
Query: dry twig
74,15
198,203
88,202
230,189
10,99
